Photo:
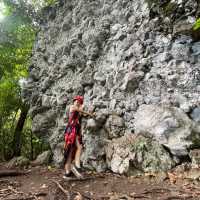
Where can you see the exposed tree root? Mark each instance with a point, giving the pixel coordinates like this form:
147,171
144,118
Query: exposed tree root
62,189
11,173
31,197
179,198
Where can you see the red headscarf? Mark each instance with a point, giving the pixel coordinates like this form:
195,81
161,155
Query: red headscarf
79,99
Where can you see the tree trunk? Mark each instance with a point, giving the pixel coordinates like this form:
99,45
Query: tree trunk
18,131
31,144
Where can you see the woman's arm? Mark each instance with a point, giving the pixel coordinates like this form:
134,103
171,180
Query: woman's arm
80,110
87,113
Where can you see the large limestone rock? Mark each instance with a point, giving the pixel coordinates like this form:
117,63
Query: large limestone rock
132,154
58,155
119,55
94,155
170,126
43,158
20,161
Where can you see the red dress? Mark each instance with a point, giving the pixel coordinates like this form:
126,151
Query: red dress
72,131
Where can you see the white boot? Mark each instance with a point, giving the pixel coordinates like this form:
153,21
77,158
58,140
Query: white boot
76,172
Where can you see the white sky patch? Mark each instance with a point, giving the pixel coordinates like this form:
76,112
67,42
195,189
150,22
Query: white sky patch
2,8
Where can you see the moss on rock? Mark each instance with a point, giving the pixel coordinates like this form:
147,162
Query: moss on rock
150,156
18,162
169,9
165,8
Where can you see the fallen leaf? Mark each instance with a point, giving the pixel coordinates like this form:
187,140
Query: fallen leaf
132,194
44,186
78,197
172,177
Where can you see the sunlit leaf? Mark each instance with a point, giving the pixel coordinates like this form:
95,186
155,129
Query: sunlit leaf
196,25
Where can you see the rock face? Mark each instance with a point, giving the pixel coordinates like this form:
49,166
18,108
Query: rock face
119,55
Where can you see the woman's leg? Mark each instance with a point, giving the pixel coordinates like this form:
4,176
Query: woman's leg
76,166
68,162
78,153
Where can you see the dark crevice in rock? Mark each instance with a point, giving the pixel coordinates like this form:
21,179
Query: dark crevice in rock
184,159
189,113
181,159
168,150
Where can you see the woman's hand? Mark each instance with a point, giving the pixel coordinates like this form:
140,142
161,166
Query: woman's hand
93,114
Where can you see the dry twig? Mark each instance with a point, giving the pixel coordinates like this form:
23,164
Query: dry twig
62,189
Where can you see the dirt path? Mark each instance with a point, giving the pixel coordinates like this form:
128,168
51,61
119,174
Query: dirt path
40,183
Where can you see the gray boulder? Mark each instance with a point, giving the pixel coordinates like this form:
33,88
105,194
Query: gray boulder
195,115
18,162
43,158
131,154
92,125
42,122
94,154
58,156
170,126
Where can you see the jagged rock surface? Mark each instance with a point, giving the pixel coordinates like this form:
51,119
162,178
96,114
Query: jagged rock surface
119,55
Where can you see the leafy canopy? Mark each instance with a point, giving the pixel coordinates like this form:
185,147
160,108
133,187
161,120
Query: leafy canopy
16,41
18,28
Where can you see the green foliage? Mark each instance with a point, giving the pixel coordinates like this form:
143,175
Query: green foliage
32,145
196,25
141,145
16,42
9,100
15,46
44,3
167,7
30,7
51,2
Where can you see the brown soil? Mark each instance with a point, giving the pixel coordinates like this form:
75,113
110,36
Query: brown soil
41,183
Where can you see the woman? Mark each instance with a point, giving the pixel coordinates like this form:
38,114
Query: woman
73,138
